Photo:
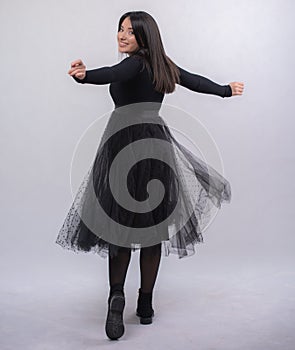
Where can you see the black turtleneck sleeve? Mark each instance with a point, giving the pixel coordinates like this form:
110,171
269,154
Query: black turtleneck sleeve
122,71
201,84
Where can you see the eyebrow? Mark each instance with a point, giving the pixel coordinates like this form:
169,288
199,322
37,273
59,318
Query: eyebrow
128,28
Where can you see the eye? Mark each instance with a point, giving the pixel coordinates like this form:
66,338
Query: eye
129,33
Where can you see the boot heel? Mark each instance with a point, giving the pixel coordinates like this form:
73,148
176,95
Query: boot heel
145,320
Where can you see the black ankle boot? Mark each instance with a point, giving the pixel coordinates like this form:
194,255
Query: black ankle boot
114,323
144,307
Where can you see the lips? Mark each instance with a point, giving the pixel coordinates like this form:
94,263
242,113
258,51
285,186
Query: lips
123,44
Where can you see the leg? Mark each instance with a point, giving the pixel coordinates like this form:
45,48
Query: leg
149,265
118,266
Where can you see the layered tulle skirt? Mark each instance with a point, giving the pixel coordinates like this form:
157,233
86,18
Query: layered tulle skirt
143,188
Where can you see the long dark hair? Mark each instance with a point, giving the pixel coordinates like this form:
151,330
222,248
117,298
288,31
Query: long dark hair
164,71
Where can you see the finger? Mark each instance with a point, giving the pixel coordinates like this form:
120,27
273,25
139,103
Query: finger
74,69
77,71
237,92
77,66
78,61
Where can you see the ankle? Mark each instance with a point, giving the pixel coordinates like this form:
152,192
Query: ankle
116,288
145,291
144,302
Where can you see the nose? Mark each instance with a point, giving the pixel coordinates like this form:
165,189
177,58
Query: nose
122,35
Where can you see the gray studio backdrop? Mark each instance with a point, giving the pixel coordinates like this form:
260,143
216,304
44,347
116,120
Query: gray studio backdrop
44,113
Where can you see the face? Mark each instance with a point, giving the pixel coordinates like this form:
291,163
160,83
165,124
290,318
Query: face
126,39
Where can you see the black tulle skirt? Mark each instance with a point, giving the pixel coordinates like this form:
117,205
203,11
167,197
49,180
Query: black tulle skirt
143,188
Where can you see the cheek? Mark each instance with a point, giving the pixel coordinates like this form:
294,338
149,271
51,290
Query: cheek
134,42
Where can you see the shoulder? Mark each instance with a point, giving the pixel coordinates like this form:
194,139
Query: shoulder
133,59
132,63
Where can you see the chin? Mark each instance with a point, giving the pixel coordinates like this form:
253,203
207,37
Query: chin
123,51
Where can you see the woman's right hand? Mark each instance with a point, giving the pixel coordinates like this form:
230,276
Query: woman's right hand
78,69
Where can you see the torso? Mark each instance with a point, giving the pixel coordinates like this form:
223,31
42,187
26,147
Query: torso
138,89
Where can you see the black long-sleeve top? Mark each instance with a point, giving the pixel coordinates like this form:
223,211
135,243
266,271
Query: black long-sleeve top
130,82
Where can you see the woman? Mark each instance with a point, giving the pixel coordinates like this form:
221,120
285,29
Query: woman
144,77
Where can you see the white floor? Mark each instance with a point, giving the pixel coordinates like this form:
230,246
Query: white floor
227,305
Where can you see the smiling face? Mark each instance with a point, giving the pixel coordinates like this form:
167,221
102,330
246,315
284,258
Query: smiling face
126,39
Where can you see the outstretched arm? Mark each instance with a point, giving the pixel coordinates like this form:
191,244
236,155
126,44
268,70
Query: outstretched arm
123,71
204,85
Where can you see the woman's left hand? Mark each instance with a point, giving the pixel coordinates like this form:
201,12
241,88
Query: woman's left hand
237,88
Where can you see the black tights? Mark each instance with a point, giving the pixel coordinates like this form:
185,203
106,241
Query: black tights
149,265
